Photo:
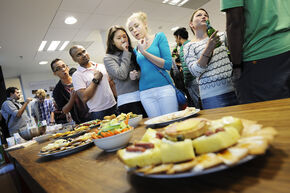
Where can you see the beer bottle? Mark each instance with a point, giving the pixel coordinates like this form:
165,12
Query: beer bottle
210,31
174,52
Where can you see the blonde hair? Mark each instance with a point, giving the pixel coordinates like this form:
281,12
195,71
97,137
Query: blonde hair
141,16
40,93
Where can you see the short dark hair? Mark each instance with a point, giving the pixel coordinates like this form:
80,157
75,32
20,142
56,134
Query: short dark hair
71,50
72,70
182,32
53,62
111,48
10,90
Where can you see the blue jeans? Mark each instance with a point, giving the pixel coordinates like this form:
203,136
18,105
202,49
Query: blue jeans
159,101
223,100
101,114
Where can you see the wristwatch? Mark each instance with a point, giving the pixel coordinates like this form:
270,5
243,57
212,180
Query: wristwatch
96,81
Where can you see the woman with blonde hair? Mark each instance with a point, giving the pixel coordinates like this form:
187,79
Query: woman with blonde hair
119,62
154,58
210,63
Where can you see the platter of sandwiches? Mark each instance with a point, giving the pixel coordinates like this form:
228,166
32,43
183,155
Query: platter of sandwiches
164,120
63,147
196,146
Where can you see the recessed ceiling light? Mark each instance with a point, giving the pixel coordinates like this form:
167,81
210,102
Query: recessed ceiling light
174,28
63,45
0,47
43,62
70,20
43,43
53,45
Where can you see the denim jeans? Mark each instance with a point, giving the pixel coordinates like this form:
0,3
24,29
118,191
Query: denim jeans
159,101
101,114
223,100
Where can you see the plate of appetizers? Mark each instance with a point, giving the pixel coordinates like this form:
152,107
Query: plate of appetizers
164,120
63,147
196,146
195,171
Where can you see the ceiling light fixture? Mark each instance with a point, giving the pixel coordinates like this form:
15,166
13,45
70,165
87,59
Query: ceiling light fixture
53,45
70,20
43,62
174,28
165,1
174,2
64,45
182,3
43,43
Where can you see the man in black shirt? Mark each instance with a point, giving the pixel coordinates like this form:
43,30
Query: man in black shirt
64,94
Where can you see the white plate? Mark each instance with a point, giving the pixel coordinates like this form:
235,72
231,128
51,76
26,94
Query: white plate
192,173
68,151
152,123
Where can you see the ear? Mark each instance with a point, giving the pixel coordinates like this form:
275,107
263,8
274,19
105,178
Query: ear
190,25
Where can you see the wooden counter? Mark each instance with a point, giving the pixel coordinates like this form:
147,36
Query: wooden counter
93,170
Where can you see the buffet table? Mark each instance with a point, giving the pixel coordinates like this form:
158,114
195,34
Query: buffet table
93,170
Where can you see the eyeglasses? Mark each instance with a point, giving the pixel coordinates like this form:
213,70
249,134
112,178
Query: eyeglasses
58,68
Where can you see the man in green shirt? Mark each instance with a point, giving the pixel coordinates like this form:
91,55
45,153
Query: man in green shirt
190,82
259,41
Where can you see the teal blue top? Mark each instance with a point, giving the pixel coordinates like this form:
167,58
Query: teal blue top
150,76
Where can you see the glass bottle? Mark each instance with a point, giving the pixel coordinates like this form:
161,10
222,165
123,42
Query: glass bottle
210,31
174,52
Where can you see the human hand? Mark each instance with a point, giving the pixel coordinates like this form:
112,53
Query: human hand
98,75
73,94
236,74
142,45
28,99
125,46
134,75
213,40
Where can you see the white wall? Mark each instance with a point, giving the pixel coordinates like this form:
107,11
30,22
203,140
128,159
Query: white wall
36,81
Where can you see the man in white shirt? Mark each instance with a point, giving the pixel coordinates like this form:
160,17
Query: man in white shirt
91,81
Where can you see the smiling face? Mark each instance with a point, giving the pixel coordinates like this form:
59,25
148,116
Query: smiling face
199,20
120,38
61,69
137,28
80,55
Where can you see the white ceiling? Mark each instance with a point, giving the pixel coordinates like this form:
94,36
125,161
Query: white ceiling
25,23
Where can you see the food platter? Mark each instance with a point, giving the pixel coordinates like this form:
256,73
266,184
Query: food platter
67,151
72,136
192,173
162,121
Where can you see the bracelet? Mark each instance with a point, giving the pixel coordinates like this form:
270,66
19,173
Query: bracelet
206,56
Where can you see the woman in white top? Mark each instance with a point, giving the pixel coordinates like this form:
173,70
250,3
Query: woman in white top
209,63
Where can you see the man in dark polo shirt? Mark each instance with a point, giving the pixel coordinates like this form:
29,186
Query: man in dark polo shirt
64,94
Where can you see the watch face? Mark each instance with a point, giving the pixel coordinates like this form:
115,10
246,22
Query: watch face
95,81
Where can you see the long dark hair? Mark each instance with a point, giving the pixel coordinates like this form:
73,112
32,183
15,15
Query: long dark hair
112,49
